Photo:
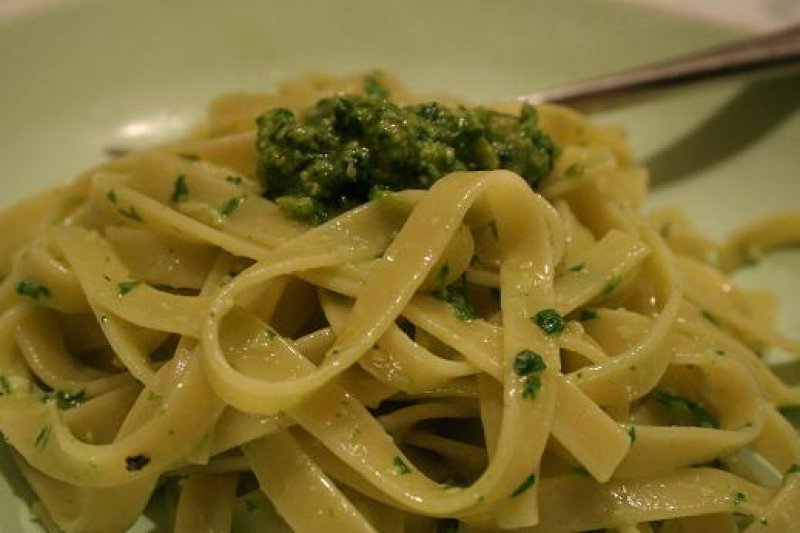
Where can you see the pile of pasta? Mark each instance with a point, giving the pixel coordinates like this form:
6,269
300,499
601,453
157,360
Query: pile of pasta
478,356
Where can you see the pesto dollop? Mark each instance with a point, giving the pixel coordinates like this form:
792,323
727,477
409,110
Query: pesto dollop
329,159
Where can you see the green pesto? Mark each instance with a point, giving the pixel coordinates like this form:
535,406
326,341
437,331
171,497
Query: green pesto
687,411
527,483
400,466
531,387
527,362
125,287
180,192
328,159
32,289
550,321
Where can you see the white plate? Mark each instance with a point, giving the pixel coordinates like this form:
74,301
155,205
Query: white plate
90,74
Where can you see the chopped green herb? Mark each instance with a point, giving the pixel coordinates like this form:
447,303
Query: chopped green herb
227,209
577,268
236,180
550,321
189,157
269,333
575,170
531,387
32,289
632,433
400,466
794,469
690,411
525,485
456,295
136,462
66,400
180,192
125,287
527,362
112,196
612,283
5,385
587,314
131,213
738,498
43,437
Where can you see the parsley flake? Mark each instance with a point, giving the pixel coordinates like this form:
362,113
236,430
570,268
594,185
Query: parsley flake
228,208
612,283
550,321
527,362
400,466
692,411
180,192
125,287
632,433
525,485
32,289
531,387
43,437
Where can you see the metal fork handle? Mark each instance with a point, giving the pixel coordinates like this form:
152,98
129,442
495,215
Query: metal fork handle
764,52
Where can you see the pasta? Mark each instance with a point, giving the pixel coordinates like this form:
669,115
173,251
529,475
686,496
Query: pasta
167,330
